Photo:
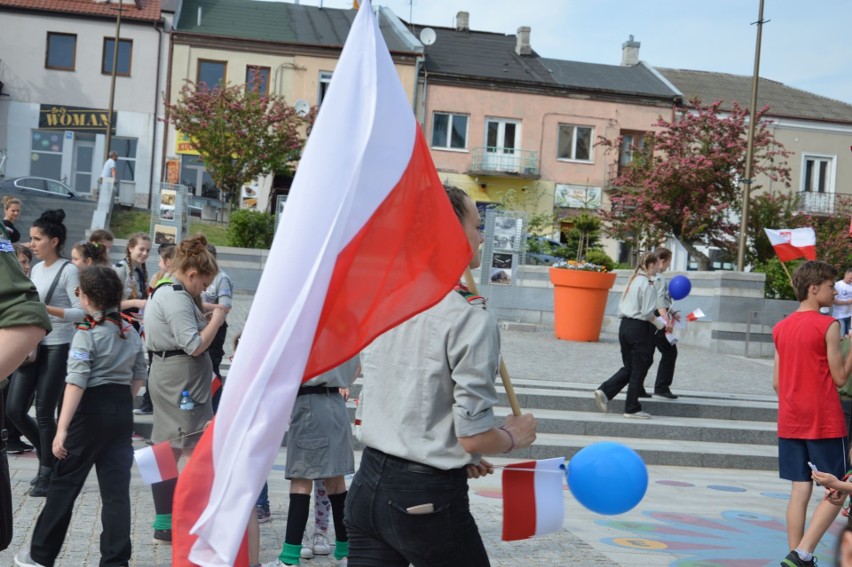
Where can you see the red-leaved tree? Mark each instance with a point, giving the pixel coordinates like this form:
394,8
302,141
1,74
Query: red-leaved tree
240,133
684,181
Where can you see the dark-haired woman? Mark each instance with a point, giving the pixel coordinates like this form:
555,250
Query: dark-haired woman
56,279
179,334
106,368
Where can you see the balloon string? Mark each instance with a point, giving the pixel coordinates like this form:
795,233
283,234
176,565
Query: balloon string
511,468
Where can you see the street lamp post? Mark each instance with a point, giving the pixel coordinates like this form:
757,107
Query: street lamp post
752,121
112,85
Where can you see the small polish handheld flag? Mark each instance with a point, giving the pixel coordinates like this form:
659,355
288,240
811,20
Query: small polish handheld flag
533,501
368,239
156,463
792,243
695,315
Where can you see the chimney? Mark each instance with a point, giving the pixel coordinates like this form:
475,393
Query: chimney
630,52
522,45
463,21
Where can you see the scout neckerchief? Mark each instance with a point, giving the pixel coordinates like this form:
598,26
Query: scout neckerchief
469,296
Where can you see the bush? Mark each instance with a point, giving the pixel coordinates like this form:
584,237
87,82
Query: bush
777,283
600,258
250,229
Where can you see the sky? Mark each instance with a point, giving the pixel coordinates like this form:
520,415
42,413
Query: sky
803,44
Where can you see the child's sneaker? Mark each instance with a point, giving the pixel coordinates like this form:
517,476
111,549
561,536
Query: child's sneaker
793,560
307,548
163,537
263,514
341,562
321,545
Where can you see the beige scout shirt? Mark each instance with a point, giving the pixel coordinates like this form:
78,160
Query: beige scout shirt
430,381
664,298
173,321
640,300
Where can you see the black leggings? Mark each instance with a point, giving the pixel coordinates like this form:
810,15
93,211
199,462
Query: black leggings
45,377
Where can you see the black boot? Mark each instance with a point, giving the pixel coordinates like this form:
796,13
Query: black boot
42,482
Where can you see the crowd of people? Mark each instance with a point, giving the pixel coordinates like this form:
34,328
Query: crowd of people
114,328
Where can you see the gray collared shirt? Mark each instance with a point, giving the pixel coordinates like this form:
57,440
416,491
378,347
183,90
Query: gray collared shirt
430,381
100,356
664,298
173,321
640,299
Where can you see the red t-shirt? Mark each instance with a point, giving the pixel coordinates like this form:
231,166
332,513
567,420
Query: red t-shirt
808,402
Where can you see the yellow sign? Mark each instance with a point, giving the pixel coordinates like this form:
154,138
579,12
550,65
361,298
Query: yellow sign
183,144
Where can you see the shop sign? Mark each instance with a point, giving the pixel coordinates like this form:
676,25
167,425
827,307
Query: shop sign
74,118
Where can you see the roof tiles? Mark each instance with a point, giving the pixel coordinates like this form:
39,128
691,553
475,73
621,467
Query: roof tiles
142,10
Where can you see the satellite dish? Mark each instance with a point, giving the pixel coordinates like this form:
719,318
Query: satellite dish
302,107
427,36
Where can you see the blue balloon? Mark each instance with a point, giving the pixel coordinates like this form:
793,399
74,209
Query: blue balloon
679,287
608,478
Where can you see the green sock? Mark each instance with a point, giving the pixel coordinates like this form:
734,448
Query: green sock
290,554
162,522
341,549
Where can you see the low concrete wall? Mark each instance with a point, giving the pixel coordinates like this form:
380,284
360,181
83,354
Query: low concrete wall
738,318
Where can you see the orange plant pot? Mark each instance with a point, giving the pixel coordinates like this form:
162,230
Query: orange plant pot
579,302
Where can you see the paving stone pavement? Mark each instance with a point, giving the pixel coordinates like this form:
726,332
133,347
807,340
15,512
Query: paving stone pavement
689,517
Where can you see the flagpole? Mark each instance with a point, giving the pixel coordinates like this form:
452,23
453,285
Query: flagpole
786,271
504,372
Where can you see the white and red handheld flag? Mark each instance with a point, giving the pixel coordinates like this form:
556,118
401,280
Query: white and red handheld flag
368,239
533,501
695,315
792,243
156,463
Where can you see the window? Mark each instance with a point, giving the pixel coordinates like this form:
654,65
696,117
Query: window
196,178
257,79
575,143
630,142
126,164
449,130
61,51
46,157
817,175
211,74
125,49
324,83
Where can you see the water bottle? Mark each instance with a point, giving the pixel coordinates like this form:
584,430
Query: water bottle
186,402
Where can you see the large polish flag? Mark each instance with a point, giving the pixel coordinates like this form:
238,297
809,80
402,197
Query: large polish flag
533,501
368,239
792,243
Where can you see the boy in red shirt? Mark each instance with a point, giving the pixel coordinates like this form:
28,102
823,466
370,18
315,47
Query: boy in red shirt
809,367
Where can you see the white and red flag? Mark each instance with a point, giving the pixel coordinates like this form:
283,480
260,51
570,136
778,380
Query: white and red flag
792,243
367,240
156,463
695,315
533,501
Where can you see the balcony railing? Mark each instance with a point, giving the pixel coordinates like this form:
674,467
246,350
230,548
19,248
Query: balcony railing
489,160
824,203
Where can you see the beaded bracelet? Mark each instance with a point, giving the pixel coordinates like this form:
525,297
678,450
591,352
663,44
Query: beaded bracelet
511,439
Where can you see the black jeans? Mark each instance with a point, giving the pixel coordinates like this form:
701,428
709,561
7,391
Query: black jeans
666,368
45,377
637,353
382,533
99,436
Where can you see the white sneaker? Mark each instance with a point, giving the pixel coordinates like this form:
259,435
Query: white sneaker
23,559
275,563
638,415
341,562
307,548
600,399
321,545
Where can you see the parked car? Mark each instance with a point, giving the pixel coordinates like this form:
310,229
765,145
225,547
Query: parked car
539,250
36,186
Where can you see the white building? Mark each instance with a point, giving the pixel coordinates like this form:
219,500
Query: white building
56,74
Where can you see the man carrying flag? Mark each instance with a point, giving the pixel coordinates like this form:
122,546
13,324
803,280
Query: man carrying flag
427,418
368,239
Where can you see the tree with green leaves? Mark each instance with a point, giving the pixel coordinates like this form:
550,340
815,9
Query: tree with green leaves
240,133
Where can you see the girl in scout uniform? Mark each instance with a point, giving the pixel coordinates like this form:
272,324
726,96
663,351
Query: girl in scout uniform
132,271
179,334
428,417
56,279
636,337
106,367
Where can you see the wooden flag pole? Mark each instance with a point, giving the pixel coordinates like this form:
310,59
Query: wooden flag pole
504,372
786,271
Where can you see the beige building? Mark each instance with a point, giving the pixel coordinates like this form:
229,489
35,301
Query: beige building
285,49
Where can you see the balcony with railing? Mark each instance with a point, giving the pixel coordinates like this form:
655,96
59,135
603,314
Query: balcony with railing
506,162
824,203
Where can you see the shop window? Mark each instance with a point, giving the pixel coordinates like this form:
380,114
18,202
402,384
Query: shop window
126,150
46,156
